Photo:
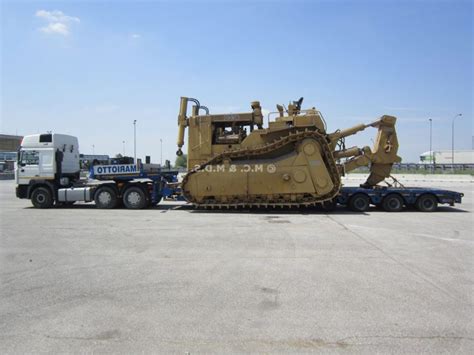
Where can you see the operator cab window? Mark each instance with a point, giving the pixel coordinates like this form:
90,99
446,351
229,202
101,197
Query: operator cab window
46,138
29,157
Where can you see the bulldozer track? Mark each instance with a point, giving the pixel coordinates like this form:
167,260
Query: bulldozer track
294,137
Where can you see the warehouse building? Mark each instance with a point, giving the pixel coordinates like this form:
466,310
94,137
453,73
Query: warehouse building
9,145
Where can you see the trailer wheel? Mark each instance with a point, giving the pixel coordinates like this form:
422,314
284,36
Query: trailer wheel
105,198
41,198
359,202
135,198
427,203
392,203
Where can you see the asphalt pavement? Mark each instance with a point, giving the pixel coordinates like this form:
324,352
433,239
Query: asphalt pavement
176,280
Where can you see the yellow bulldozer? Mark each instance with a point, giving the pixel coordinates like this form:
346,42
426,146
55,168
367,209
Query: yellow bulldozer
233,161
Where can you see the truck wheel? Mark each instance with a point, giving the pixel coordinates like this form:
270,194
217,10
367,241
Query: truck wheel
359,202
135,198
42,198
392,203
105,198
427,203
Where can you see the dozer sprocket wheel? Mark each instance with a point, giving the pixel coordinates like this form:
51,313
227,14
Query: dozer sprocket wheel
294,137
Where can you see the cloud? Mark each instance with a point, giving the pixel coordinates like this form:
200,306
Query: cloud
56,16
56,27
58,22
135,36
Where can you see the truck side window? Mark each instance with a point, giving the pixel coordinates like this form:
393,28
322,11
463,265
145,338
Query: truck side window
29,157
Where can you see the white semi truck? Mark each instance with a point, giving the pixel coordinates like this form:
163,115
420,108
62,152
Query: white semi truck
48,173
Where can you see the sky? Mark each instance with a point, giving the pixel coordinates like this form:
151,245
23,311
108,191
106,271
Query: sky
90,68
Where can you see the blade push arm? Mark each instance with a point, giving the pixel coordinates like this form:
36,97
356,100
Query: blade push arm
183,120
380,159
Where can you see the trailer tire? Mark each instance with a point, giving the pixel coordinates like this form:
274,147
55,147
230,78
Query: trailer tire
135,198
392,203
41,197
105,198
359,202
427,203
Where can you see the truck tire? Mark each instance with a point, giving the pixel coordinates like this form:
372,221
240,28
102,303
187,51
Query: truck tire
135,198
105,198
392,203
427,203
359,202
41,197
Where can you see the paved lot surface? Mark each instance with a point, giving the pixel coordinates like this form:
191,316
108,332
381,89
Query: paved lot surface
177,280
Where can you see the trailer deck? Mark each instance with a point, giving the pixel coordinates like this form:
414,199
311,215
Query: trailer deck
392,199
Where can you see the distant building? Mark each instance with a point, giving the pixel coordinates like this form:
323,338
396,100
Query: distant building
446,157
8,151
9,143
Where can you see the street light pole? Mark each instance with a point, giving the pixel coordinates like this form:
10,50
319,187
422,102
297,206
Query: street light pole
452,141
431,144
123,147
134,141
161,152
93,149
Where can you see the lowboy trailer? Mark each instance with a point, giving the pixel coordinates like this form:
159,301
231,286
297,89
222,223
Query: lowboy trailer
394,199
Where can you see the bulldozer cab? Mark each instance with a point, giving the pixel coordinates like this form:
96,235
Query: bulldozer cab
211,134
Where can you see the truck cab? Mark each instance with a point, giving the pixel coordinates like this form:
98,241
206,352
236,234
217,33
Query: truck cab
45,163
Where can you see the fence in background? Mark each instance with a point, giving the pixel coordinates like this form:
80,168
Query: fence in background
428,168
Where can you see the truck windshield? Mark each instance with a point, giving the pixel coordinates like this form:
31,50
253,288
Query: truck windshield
29,157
